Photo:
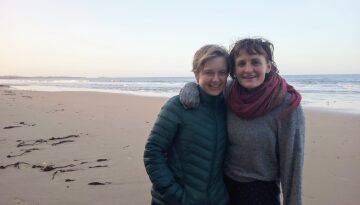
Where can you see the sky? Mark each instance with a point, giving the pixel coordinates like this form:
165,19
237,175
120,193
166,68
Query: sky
134,38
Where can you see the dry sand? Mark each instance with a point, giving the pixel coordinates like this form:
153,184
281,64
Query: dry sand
115,127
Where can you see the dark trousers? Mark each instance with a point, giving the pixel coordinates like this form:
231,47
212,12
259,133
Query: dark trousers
253,193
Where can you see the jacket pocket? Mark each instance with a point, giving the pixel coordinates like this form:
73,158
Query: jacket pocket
173,194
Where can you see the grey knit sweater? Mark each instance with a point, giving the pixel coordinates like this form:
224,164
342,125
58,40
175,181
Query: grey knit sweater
264,148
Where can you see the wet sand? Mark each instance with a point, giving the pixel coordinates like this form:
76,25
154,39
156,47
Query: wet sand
87,147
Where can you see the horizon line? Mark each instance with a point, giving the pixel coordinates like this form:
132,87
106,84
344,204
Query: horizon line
60,76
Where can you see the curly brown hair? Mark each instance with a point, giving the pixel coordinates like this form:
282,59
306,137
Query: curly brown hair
252,46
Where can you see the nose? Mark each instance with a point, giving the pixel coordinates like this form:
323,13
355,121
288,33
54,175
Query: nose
216,77
248,68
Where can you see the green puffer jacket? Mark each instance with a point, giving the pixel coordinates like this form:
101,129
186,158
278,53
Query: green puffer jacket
184,153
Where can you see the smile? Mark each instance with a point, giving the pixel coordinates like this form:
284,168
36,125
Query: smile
248,77
215,86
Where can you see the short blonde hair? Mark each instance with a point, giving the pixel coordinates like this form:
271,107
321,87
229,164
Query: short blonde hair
206,53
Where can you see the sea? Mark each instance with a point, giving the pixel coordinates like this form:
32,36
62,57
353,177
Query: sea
339,93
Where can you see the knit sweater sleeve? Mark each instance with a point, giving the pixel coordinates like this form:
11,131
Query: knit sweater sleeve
159,142
291,137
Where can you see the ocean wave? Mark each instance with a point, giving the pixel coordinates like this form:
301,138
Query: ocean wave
329,91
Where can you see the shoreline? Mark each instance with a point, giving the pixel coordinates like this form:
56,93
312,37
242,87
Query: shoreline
167,96
114,128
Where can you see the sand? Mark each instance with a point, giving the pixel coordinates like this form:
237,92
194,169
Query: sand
77,138
332,158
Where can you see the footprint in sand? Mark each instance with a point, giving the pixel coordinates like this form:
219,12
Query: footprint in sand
20,125
26,96
19,201
99,183
10,127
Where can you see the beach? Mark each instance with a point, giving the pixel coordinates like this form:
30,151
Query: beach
87,148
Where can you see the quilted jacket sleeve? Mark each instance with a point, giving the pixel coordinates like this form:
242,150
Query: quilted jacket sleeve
159,142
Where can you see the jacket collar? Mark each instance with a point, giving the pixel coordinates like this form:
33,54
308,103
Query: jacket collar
210,99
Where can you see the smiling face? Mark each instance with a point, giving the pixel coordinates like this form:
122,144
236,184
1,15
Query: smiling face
212,78
250,70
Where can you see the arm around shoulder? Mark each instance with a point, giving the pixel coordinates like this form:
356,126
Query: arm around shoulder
189,96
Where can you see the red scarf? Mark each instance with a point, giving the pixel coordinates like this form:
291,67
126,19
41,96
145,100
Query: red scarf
264,99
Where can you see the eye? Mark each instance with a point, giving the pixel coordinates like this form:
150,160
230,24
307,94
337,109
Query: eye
223,73
255,62
241,63
209,73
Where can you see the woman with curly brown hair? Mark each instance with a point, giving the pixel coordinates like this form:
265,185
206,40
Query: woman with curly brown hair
265,124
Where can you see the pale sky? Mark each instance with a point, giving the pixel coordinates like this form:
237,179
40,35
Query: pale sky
158,38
